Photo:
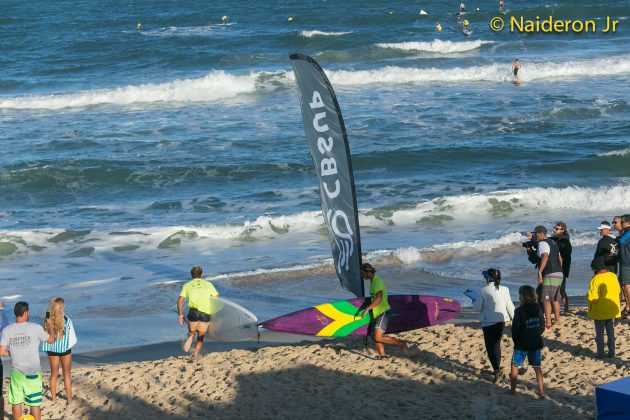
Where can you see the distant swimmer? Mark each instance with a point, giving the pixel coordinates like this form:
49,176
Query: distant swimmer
438,27
225,20
290,18
516,65
462,7
138,26
500,5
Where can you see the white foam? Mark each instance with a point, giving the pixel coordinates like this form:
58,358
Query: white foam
493,72
207,239
480,206
310,34
621,152
215,86
91,283
436,46
180,31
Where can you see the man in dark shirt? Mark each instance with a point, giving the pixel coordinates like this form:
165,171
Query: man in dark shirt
561,238
606,247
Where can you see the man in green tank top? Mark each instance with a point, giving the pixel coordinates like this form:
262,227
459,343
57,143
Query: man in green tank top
380,310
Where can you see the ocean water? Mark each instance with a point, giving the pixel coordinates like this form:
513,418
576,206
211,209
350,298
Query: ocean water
130,155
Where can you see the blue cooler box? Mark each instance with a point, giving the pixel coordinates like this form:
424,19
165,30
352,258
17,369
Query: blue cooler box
613,400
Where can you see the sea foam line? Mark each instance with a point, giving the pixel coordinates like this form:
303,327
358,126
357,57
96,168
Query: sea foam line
217,85
436,46
493,72
622,152
480,208
310,34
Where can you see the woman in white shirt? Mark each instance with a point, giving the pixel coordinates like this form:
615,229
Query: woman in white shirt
495,307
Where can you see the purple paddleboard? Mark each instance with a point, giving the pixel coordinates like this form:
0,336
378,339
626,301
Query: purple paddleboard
343,318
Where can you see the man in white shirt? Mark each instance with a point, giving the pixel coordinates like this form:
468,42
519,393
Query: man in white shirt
550,275
21,342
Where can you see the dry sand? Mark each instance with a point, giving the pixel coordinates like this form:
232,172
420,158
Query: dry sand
446,376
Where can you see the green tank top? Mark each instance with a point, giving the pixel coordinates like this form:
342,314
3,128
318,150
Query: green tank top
377,285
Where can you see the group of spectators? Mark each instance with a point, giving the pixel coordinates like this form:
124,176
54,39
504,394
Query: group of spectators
540,307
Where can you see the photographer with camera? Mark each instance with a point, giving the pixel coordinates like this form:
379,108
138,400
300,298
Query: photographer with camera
544,253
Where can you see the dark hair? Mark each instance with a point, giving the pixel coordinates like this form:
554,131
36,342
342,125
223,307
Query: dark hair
196,271
20,308
492,275
367,267
598,264
625,218
527,294
540,229
562,225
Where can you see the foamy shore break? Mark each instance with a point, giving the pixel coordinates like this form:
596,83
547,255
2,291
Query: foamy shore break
446,376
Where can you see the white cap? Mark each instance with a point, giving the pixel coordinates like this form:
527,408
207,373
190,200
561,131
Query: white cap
603,226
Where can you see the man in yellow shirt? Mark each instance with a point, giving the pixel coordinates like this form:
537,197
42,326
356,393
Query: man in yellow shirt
380,309
603,305
198,292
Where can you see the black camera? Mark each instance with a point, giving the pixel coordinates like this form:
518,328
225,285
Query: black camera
532,242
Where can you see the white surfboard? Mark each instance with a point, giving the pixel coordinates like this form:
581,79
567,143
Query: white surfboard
229,321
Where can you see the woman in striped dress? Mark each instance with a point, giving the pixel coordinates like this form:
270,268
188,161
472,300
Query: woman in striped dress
59,352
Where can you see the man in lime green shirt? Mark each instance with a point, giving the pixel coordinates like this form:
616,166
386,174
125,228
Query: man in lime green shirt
198,292
380,310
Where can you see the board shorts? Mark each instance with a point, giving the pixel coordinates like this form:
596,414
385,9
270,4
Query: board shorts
54,353
198,321
534,358
382,321
550,291
25,389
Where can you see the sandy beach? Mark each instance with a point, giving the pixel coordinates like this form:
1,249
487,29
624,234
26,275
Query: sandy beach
447,375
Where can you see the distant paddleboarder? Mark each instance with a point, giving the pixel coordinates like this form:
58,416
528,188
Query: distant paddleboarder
138,26
225,19
500,5
462,7
516,65
438,27
465,29
381,310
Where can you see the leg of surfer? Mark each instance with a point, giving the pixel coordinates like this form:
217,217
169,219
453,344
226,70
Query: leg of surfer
201,333
380,338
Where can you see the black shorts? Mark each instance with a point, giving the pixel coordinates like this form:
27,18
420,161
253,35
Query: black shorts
65,353
194,315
